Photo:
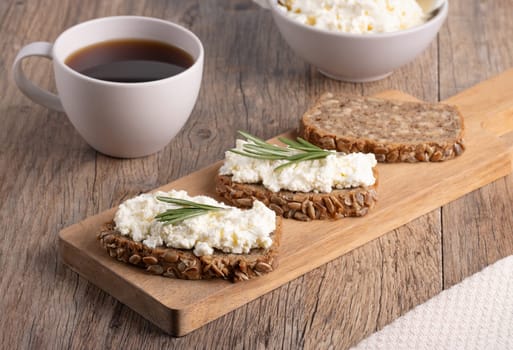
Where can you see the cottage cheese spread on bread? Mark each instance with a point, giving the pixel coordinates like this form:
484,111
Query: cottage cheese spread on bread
232,230
356,16
335,171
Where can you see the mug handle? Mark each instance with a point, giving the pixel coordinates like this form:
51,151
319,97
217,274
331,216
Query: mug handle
32,91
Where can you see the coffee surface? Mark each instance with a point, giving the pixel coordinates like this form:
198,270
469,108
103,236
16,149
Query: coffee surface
130,60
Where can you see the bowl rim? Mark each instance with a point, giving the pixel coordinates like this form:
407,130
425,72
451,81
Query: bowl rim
439,16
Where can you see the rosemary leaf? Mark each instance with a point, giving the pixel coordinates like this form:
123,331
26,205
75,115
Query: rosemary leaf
296,151
185,203
187,210
295,161
256,156
306,143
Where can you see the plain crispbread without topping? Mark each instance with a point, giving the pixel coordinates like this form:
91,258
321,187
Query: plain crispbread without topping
183,264
395,131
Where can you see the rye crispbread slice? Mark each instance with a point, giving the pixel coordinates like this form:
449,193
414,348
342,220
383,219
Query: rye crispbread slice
395,131
183,264
304,206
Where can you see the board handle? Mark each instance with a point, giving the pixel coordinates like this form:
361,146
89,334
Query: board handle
488,105
500,124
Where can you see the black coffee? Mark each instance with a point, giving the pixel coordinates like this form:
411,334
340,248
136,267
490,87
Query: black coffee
130,60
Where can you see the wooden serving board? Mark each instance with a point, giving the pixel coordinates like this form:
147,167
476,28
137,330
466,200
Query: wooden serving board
406,191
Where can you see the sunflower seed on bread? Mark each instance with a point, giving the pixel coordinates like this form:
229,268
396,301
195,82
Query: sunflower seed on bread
184,264
395,131
304,206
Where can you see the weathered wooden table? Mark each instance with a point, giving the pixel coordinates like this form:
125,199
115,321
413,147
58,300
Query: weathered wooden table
50,178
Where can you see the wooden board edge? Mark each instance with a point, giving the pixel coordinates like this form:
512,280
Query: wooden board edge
162,316
508,141
270,282
186,320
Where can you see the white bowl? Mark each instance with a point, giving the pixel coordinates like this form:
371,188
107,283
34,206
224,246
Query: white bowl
356,57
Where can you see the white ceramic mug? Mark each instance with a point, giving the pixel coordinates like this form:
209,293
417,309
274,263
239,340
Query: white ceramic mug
119,119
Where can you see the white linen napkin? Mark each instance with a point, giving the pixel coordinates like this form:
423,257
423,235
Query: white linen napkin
474,314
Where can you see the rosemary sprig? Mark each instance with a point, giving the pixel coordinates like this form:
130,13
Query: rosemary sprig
297,151
188,210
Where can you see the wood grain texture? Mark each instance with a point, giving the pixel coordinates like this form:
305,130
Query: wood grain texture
474,45
406,192
252,81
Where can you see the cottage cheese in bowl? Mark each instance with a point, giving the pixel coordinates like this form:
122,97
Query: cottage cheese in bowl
355,16
357,40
